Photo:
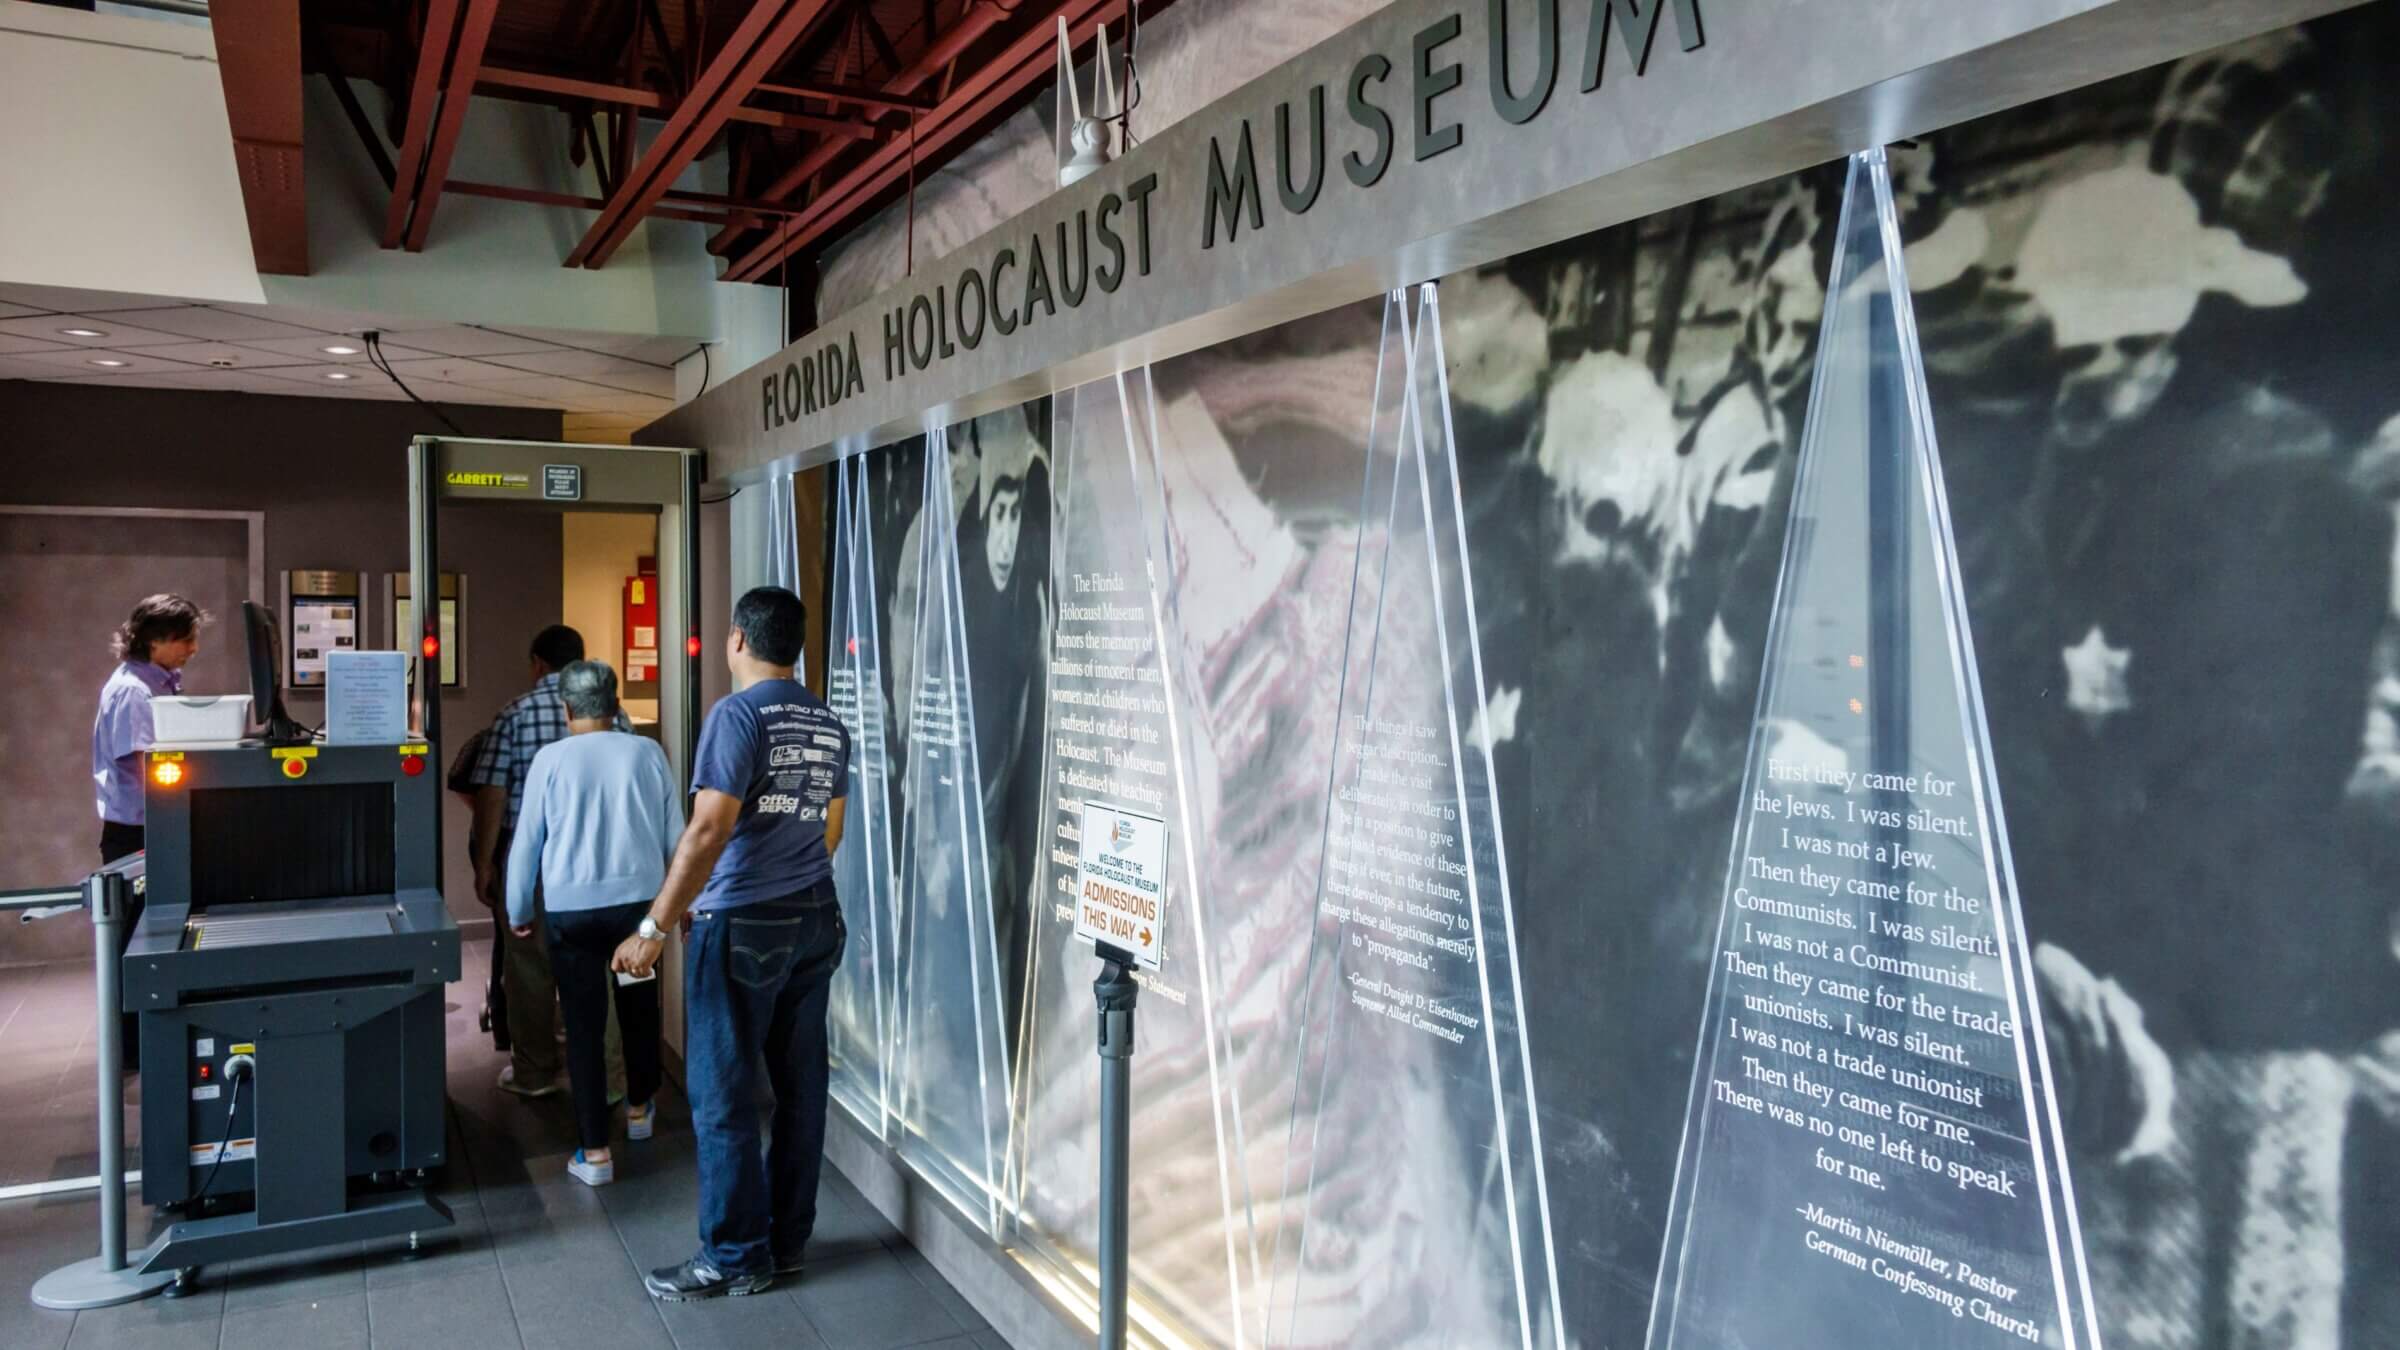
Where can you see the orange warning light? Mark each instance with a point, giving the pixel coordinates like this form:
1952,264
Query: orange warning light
295,767
691,645
166,773
431,646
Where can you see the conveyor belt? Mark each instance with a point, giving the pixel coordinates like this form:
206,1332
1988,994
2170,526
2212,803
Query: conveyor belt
313,925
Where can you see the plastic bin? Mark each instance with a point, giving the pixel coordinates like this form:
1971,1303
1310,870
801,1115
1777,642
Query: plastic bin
182,719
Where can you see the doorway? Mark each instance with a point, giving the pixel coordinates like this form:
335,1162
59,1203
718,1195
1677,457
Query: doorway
616,506
608,591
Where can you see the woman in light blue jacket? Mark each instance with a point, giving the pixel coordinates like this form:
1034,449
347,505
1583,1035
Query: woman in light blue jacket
601,816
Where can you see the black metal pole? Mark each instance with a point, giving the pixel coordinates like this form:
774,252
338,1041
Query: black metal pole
105,1280
1115,992
108,895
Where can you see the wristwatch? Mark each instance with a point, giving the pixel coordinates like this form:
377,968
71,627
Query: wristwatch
650,932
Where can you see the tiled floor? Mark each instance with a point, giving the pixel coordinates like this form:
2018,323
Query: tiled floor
46,1062
538,1261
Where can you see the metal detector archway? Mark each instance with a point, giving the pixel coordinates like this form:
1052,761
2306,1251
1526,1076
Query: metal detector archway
542,475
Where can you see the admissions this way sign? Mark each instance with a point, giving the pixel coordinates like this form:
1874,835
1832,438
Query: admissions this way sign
1121,880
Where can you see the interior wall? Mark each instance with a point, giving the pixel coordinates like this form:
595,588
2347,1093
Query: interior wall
600,549
2155,319
474,267
331,478
812,517
114,561
91,180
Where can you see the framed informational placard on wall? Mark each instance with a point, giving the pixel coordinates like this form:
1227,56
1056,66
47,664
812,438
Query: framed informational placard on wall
320,617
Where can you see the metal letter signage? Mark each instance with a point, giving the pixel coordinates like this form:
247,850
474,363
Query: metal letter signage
1572,116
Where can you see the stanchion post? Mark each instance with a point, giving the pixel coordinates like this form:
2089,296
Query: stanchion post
103,1280
1115,992
106,894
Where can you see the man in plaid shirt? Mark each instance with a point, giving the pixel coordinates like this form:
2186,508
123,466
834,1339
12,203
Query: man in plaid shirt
533,720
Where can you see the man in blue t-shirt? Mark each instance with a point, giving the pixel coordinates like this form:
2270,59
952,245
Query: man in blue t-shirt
755,868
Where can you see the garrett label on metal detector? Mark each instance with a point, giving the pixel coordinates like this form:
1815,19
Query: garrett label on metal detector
1121,880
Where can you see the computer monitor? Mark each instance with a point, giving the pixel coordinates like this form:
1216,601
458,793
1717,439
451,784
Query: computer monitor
266,694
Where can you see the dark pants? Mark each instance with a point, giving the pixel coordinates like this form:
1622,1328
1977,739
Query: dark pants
582,941
495,993
118,840
755,984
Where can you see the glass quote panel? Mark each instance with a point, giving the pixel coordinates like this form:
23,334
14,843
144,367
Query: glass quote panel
765,535
953,1112
1118,721
859,1020
1413,1180
1870,1156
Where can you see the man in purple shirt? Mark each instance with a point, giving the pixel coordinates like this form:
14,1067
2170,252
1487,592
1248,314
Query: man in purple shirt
151,649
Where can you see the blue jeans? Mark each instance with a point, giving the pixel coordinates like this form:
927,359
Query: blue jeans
755,986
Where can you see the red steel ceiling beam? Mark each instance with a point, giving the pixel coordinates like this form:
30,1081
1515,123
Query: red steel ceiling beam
757,44
493,77
258,61
880,99
458,89
972,25
989,90
800,121
424,90
533,81
711,205
541,197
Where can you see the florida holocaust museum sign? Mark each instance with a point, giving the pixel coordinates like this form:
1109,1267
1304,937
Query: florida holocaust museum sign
1433,135
1014,283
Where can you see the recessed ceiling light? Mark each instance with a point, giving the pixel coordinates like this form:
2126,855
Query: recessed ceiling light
339,375
83,332
105,361
338,350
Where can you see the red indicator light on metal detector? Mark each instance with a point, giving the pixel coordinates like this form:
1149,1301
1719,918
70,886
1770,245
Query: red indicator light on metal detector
691,645
207,1071
412,765
432,646
294,768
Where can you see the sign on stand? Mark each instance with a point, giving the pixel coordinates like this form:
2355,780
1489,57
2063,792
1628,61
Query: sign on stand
1121,880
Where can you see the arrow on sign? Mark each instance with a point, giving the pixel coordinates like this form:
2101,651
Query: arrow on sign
1145,937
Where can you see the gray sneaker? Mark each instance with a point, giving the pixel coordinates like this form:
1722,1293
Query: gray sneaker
696,1279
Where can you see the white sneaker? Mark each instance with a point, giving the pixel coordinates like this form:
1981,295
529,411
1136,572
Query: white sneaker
591,1173
641,1121
508,1083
